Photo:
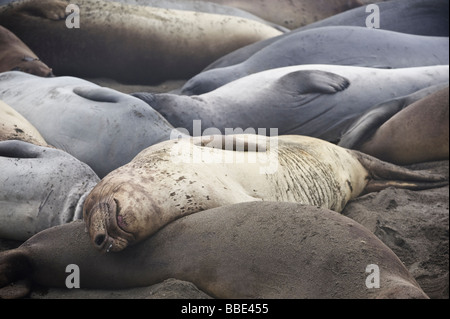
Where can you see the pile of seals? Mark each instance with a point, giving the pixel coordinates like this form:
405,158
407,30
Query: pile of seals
265,174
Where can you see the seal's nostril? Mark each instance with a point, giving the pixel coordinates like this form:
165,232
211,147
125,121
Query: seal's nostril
99,240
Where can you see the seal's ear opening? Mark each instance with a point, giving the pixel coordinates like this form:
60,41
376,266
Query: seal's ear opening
384,175
14,267
18,149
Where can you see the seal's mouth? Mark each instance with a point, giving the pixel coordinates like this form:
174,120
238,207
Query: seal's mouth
106,235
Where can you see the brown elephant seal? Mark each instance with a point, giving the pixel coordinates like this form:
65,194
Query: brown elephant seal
292,14
249,250
13,126
419,133
17,56
181,177
129,43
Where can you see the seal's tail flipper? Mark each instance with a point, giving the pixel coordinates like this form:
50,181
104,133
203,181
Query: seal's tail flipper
14,267
386,175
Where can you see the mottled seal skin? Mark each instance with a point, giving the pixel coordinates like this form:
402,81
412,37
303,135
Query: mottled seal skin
39,188
249,250
100,127
315,100
330,45
14,126
292,14
181,177
16,55
132,44
418,133
202,6
419,17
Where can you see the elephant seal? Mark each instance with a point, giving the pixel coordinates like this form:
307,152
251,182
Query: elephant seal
292,14
39,188
419,17
250,250
14,126
202,6
132,44
100,127
16,55
315,100
417,133
185,176
330,45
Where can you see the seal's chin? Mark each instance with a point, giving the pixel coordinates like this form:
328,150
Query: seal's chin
110,244
106,235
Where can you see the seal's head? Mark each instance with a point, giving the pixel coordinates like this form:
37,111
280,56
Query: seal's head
33,66
119,213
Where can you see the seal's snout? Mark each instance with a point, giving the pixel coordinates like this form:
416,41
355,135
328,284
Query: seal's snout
99,240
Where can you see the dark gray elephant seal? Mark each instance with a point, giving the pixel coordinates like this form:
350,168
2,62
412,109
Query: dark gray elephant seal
251,250
39,188
101,127
353,46
419,17
181,177
415,134
16,55
132,44
314,100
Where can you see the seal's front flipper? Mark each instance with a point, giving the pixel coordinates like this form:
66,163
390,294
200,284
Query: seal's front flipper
18,149
247,143
99,94
312,81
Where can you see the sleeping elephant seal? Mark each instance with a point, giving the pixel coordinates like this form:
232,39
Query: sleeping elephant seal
100,127
249,250
132,44
16,55
185,176
39,188
292,14
417,133
14,126
419,17
202,6
330,45
320,100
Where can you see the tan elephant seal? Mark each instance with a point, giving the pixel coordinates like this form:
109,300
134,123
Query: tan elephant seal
419,133
13,126
248,250
292,14
129,43
182,177
17,56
